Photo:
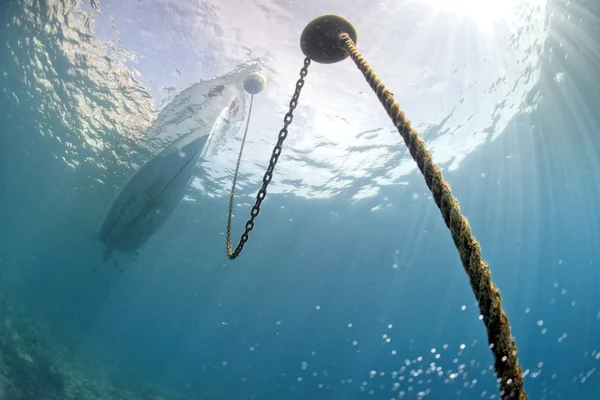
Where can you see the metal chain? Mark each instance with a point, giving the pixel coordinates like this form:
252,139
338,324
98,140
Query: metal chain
262,193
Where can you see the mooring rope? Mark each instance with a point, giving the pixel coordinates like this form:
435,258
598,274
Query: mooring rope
490,302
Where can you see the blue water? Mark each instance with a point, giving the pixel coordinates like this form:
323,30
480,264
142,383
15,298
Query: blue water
334,296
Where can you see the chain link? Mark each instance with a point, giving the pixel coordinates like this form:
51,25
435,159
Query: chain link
262,193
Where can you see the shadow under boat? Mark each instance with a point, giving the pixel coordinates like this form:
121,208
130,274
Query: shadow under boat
149,198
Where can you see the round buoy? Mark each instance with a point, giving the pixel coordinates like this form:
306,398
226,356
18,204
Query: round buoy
254,83
319,40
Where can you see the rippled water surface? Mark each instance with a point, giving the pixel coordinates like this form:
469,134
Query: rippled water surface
350,285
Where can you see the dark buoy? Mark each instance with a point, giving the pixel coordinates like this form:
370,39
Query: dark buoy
319,40
254,83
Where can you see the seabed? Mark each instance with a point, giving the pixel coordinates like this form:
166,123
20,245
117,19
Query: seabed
34,365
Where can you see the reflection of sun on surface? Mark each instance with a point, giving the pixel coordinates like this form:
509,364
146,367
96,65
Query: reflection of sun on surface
483,12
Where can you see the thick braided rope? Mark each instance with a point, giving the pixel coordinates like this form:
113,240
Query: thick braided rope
487,294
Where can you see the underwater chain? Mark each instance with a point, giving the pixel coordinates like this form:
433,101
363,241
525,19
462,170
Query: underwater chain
330,39
262,193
